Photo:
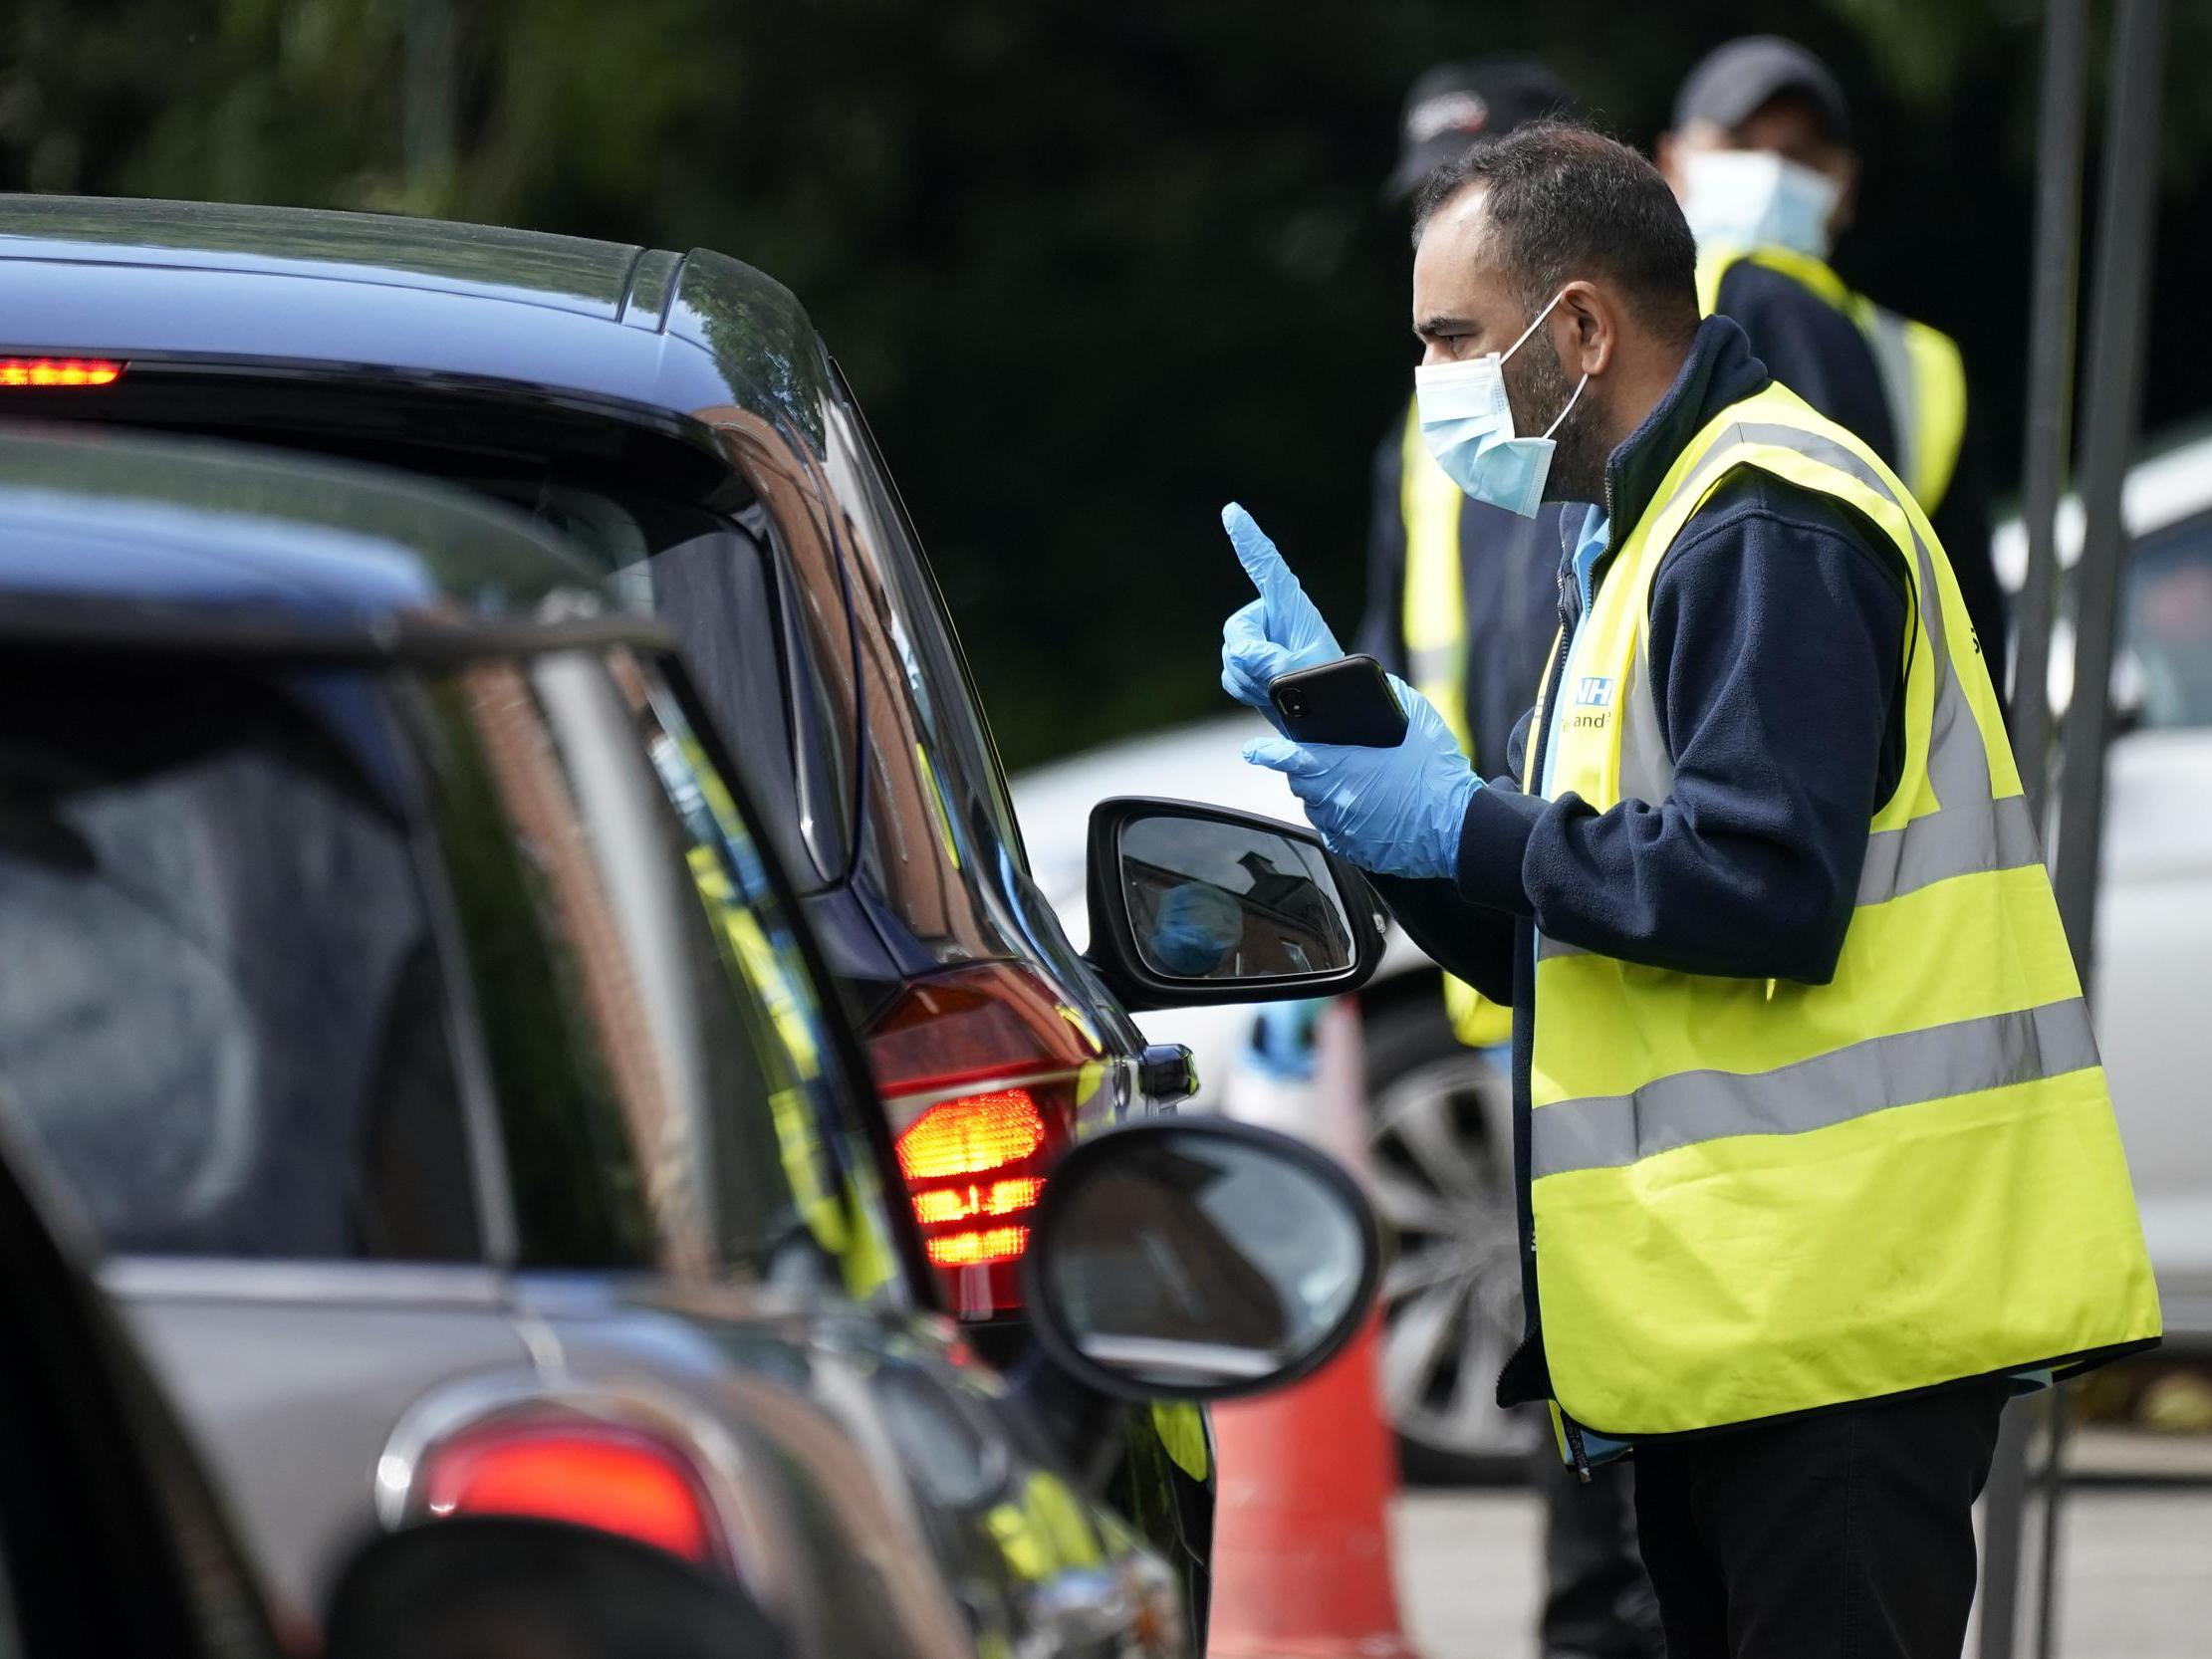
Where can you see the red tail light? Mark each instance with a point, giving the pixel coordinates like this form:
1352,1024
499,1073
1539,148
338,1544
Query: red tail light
983,1073
59,372
601,1474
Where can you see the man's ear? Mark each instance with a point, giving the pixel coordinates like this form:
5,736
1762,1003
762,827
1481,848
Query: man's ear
1587,329
1845,171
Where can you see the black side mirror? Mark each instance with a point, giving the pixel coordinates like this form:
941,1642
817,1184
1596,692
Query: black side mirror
1197,1258
467,1588
1194,904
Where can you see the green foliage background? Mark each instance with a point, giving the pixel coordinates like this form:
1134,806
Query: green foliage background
1093,270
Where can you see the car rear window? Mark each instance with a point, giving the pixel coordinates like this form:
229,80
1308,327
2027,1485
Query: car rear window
717,581
221,1017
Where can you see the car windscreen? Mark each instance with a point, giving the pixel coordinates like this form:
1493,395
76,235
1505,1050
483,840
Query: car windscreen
221,1019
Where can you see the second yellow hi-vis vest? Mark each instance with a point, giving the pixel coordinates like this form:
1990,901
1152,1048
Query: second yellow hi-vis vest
1923,377
1434,622
1757,1197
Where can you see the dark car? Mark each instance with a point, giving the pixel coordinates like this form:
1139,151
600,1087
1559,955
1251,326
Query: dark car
678,417
404,985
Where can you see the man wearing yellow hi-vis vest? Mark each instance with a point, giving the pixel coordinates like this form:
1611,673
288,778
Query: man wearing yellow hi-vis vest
1760,156
1815,1156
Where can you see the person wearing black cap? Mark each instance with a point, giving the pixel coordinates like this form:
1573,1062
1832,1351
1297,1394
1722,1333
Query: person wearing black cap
1462,602
1760,156
1460,597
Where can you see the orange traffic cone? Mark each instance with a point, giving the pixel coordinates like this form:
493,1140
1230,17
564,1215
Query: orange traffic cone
1302,1533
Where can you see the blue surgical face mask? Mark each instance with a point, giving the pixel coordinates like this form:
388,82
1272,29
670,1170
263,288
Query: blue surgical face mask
1751,199
1467,425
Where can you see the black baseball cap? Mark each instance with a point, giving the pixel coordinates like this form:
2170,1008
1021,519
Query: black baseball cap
1733,82
1454,105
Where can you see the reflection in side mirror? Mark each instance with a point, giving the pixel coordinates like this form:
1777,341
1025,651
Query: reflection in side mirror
1213,900
1196,905
468,1587
1196,1259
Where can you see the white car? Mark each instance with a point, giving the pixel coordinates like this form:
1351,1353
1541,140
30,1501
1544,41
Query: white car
1440,1114
2154,908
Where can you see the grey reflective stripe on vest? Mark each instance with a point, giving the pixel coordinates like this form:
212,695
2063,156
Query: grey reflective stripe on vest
1944,845
1970,832
1893,364
1996,1052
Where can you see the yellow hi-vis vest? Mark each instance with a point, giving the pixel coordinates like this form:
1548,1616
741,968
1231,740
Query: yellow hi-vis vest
1434,622
1923,377
1754,1197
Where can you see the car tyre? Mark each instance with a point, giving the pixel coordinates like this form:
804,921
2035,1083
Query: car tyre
1440,1142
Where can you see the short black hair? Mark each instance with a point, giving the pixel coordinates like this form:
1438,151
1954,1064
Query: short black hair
1571,202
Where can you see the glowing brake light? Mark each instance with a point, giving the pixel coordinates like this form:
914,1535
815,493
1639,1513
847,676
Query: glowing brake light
59,372
983,1073
592,1474
971,1134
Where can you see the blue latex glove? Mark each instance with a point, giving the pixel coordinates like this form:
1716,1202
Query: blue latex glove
1397,811
1282,1044
1198,924
1278,631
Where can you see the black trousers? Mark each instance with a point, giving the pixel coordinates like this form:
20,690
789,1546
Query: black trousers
1597,1604
1844,1535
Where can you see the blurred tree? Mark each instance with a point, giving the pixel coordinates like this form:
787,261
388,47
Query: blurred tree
1093,270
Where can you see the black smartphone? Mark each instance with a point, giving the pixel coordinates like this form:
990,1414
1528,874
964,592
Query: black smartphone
1346,701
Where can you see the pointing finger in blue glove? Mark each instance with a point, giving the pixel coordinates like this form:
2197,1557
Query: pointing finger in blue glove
1279,631
1397,811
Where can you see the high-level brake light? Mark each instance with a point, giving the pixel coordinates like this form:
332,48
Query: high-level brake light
59,372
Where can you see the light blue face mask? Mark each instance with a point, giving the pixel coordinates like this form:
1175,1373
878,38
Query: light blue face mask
1467,425
1751,199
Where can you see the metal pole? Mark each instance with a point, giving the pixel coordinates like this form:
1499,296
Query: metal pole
2005,1508
2051,336
2118,316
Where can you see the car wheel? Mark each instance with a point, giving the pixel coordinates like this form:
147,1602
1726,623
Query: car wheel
1440,1138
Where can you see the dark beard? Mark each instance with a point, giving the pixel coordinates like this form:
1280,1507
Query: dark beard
1578,464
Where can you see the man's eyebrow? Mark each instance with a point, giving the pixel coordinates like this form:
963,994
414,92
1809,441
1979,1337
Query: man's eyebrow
1441,325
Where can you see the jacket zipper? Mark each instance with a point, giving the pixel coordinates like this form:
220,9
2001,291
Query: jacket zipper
1533,782
1577,1453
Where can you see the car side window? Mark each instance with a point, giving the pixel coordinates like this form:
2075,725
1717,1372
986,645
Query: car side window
663,1098
235,1038
900,578
2169,630
795,1088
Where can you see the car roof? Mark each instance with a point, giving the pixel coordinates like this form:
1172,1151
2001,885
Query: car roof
156,281
120,539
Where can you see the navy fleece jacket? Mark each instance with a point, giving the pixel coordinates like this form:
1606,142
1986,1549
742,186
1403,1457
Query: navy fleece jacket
1777,640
